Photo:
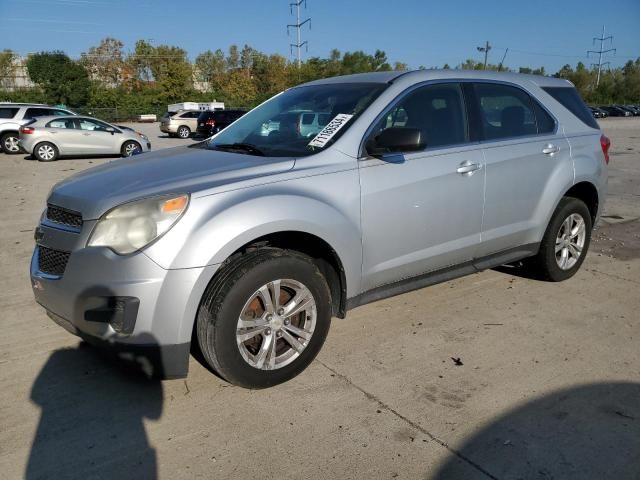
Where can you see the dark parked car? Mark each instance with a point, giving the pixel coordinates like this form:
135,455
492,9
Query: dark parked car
598,113
614,111
210,123
632,108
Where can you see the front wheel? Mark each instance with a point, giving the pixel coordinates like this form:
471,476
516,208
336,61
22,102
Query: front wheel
565,242
45,152
130,148
264,318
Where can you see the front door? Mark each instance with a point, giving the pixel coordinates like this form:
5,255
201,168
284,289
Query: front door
94,138
425,212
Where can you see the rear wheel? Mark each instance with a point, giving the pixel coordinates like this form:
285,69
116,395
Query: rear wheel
264,318
130,148
565,242
45,152
9,143
184,132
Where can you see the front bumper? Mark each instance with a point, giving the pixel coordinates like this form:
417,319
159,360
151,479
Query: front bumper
127,303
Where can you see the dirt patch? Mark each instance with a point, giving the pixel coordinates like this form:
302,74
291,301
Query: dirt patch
619,240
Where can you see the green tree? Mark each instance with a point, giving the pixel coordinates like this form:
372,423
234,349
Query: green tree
105,62
210,64
62,80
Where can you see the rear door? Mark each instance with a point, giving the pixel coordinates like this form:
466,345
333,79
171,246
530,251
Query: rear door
423,211
65,134
527,162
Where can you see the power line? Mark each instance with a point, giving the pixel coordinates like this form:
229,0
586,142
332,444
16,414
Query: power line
298,26
600,53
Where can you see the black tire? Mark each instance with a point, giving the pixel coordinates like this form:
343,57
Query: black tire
42,152
184,131
126,150
544,264
226,296
9,142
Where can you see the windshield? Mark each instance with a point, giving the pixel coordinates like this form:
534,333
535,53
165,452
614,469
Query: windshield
298,122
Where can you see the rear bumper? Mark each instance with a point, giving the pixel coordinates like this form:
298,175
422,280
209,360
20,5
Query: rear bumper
204,131
168,128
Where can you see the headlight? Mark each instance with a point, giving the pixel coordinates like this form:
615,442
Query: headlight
134,225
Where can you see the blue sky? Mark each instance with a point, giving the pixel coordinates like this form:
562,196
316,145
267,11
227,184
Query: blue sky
546,33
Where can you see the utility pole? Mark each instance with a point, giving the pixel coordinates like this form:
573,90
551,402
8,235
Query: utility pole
298,26
485,49
601,52
501,61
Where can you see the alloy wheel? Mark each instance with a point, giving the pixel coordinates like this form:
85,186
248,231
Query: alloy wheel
276,324
46,152
570,241
11,145
130,149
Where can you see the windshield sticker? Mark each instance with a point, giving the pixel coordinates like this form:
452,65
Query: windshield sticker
327,133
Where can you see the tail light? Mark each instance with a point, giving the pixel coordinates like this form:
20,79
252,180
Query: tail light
26,130
605,143
211,122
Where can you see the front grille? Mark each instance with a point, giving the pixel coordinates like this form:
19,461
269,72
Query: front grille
52,261
64,217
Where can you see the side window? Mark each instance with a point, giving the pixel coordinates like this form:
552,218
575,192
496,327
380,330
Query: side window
437,110
8,112
35,112
93,125
59,113
62,123
544,121
505,111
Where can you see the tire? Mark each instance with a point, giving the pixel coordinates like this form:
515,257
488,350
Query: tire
232,297
548,264
184,132
9,142
130,148
45,152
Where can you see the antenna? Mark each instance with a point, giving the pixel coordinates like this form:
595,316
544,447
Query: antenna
600,53
298,26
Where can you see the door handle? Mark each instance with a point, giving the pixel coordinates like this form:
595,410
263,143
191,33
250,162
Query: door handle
468,168
86,134
550,149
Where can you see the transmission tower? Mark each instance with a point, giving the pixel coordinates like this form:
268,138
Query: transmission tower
298,26
600,53
485,50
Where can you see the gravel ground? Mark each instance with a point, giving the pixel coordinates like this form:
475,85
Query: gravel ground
548,384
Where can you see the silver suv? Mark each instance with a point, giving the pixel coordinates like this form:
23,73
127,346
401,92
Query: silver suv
180,124
250,242
14,115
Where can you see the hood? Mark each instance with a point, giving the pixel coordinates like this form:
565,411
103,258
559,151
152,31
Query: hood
187,169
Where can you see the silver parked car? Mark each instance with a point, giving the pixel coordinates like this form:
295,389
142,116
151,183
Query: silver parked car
48,138
180,124
249,243
14,115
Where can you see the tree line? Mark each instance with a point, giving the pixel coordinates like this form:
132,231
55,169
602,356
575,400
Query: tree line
147,79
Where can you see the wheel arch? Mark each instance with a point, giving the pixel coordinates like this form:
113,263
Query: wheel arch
588,193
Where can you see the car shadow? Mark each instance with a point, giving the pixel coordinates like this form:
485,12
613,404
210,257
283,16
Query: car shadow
585,432
92,420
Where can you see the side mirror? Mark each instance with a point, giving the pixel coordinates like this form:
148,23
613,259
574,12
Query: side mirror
396,139
111,130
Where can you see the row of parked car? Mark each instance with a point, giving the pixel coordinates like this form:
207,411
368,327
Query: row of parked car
615,111
48,133
185,123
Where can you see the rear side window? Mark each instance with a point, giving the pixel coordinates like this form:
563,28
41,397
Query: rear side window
37,112
8,112
62,123
569,98
505,111
437,110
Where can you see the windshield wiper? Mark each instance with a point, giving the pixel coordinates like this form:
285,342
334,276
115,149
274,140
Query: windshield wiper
243,147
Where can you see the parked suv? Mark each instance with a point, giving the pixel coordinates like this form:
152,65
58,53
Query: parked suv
211,122
14,115
180,124
250,242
